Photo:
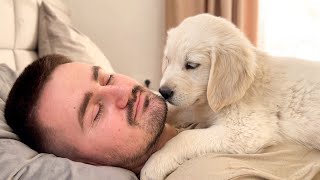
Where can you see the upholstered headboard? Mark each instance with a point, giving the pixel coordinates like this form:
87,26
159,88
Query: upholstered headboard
18,33
19,30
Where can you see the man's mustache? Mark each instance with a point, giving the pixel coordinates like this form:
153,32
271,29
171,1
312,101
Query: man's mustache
131,103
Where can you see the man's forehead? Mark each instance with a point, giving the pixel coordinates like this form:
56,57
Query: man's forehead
63,92
68,66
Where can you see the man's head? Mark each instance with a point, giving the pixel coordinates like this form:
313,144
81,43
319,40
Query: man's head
81,112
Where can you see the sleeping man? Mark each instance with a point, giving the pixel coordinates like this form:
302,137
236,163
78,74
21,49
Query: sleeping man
83,113
78,111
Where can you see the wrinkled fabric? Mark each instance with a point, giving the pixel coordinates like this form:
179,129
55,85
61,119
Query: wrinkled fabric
280,162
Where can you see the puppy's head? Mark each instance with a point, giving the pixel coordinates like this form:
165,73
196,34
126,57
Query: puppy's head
206,59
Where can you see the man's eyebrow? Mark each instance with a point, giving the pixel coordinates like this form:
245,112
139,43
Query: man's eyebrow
95,72
83,108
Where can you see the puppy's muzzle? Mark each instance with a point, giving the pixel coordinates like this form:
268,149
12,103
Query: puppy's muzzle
166,92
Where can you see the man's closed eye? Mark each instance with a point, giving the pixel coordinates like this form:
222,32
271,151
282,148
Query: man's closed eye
98,112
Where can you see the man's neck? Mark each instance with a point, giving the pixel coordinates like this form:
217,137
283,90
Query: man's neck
168,133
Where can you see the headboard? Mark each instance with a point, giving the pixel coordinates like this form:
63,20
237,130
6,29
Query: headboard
18,31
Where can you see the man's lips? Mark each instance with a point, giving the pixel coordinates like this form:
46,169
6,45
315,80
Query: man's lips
139,104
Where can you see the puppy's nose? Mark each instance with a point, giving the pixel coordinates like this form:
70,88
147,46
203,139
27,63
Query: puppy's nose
166,92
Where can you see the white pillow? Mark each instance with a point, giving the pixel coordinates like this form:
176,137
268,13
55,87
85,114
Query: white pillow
58,36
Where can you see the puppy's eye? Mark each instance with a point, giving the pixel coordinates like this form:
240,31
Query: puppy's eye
191,65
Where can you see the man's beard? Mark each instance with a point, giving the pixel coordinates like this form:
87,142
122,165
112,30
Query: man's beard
149,97
153,126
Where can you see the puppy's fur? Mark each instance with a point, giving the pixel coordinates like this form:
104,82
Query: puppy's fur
243,99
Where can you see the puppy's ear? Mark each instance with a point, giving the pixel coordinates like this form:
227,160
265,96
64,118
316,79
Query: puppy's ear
232,72
165,63
165,60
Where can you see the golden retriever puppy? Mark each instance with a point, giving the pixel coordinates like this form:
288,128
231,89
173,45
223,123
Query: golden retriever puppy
242,99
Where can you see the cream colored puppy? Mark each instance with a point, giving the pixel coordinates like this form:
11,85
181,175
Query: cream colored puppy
247,99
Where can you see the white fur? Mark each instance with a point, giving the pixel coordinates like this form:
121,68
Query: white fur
245,99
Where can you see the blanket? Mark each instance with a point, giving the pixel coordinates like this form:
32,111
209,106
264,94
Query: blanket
285,161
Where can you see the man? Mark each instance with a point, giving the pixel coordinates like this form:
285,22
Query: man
83,113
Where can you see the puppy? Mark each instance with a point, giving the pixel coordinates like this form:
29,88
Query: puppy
243,99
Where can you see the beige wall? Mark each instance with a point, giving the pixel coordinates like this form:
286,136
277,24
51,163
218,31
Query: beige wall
130,33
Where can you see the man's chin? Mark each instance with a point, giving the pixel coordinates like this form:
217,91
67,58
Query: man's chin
157,119
153,126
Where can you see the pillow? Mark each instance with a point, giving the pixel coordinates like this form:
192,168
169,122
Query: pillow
7,77
56,35
18,161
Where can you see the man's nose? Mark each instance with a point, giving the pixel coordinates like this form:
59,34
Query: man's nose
117,95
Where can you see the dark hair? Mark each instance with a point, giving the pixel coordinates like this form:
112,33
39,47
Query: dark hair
20,109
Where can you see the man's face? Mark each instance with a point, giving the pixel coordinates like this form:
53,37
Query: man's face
108,119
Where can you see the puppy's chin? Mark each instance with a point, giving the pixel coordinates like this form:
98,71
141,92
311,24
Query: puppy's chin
188,102
183,103
172,102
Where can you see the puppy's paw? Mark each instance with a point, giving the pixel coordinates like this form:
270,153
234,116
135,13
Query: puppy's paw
159,166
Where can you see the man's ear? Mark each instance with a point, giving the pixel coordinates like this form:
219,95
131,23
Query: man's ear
232,72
